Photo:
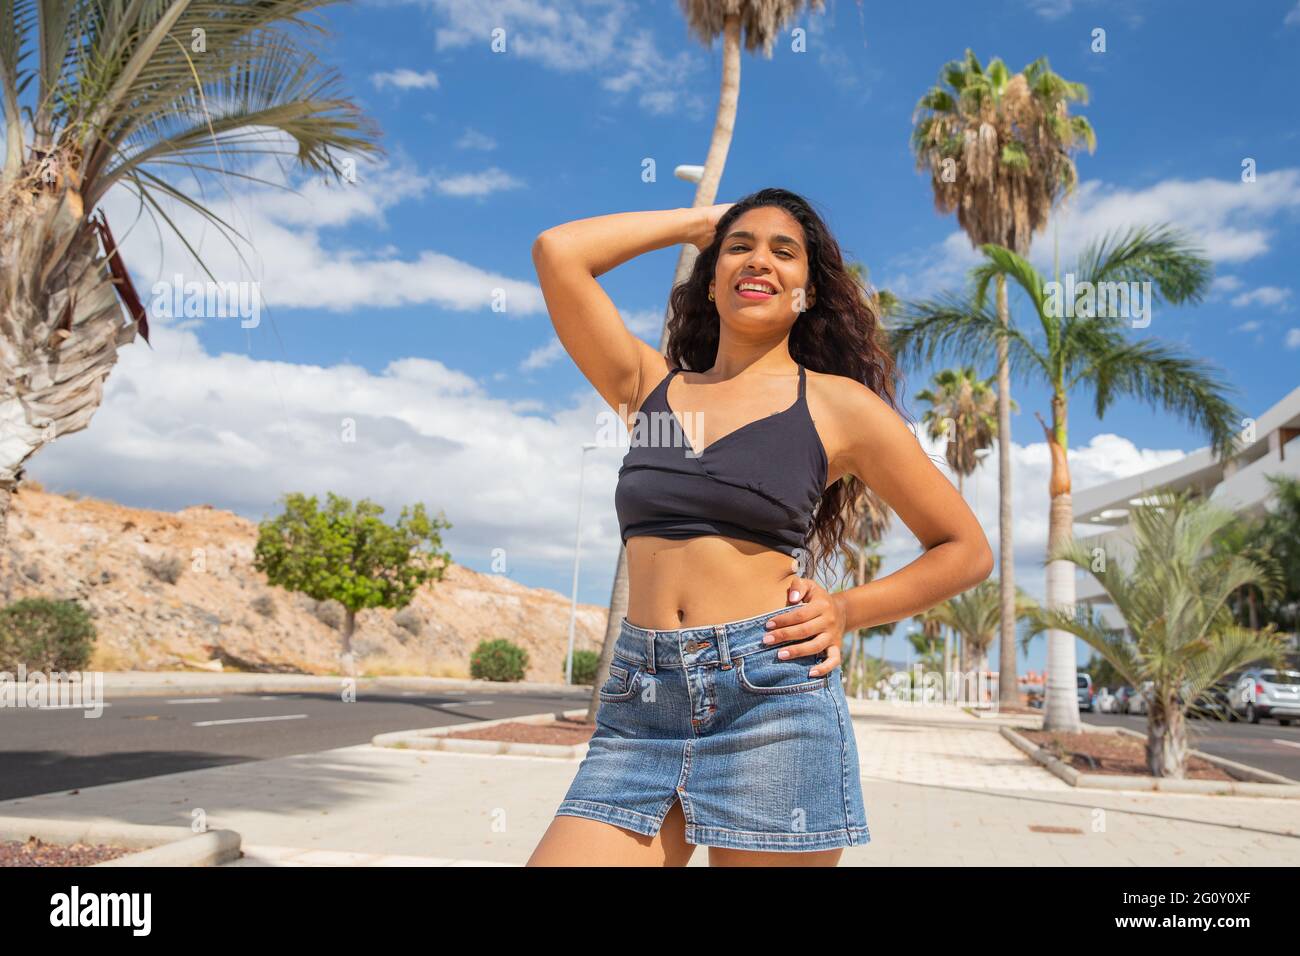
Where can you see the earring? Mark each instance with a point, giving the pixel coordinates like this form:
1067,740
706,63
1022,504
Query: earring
710,295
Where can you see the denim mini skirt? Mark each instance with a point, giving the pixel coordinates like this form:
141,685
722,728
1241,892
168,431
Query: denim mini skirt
761,756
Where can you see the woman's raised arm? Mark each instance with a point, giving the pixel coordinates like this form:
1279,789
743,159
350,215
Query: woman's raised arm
569,257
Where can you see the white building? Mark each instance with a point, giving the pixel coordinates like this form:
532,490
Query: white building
1238,484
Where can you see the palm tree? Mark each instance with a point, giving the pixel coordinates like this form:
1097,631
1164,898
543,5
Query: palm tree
1281,535
1173,597
976,615
758,23
118,94
866,522
962,413
997,147
1079,346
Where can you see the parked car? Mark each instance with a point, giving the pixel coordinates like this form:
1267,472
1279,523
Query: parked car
1268,693
1138,701
1215,702
1106,701
1122,696
1085,691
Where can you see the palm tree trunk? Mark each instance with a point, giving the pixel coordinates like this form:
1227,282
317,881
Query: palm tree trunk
1166,739
1006,550
613,624
6,495
1062,705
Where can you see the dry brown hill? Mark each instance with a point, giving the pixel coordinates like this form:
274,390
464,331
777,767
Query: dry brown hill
219,612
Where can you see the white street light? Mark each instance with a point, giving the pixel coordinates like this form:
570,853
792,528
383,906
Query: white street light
692,174
577,552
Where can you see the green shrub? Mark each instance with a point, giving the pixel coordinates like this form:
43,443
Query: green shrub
498,660
45,635
584,666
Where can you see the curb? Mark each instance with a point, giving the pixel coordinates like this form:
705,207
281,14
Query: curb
159,845
1100,781
152,683
436,738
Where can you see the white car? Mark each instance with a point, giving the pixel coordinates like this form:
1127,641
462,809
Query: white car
1268,693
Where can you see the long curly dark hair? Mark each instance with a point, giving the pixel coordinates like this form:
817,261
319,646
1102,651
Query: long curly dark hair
840,334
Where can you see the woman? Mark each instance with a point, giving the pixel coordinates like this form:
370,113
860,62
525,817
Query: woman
723,721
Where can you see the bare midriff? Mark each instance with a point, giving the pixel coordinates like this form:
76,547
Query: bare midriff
706,580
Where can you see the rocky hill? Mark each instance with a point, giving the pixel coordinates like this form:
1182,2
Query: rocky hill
178,591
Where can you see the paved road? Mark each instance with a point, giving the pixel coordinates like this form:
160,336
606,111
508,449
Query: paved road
43,751
1266,745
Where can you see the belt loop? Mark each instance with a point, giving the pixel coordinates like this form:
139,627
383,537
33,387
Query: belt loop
650,652
724,652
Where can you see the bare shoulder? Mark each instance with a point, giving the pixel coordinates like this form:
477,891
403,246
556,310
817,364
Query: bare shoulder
849,416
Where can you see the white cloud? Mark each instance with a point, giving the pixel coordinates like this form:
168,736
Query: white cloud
404,79
1267,295
1292,17
1225,284
180,426
478,184
473,139
1228,218
1293,338
313,249
573,36
543,355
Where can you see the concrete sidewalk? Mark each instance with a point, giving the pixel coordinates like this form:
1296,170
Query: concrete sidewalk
941,787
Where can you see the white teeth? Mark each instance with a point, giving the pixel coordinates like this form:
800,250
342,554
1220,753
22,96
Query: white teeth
757,287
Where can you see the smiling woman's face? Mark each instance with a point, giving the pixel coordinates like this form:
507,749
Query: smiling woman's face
764,247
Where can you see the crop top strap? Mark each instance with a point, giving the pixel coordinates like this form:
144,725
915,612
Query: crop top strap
802,379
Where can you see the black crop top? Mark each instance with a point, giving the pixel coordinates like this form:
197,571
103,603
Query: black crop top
758,483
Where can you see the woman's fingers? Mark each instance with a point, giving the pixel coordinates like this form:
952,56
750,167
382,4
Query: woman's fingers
833,660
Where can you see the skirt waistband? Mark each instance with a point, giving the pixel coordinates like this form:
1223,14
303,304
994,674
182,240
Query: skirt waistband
703,643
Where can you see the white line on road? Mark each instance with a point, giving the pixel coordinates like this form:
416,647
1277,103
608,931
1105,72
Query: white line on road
70,706
1289,743
246,720
195,700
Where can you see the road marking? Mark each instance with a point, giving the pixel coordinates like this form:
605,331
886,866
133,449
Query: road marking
195,700
1289,743
474,703
85,706
246,720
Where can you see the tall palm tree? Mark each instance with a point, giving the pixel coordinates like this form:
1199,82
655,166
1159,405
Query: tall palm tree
758,23
998,149
963,414
1083,345
120,93
1173,596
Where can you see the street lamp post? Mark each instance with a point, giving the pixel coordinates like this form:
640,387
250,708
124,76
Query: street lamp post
577,553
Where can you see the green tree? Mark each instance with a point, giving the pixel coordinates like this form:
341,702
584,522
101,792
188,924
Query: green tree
998,150
1172,594
962,414
1081,343
976,615
347,553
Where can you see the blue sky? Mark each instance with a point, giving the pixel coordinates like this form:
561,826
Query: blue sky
378,294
